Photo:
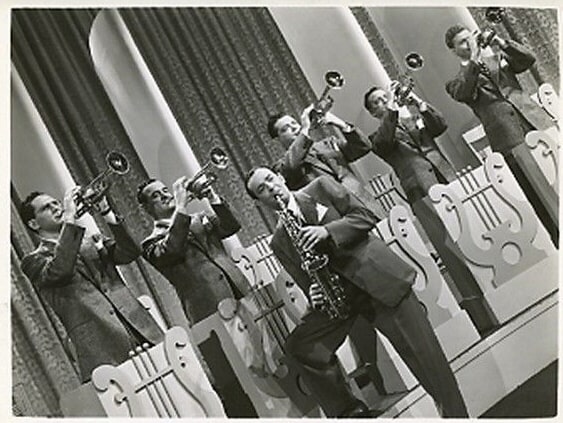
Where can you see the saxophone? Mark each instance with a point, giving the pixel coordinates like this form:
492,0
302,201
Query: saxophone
316,267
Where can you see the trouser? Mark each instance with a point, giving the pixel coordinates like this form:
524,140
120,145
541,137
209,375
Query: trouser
537,190
235,401
313,343
453,258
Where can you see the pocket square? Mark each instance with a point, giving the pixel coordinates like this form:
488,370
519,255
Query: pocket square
321,211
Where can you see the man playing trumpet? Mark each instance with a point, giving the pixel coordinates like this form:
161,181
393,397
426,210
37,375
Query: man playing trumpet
489,86
405,140
76,275
306,159
186,248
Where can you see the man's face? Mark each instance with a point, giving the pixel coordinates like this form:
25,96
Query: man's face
48,214
463,42
287,129
266,185
377,103
159,200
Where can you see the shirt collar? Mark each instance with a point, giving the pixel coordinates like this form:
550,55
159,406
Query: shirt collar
161,225
294,207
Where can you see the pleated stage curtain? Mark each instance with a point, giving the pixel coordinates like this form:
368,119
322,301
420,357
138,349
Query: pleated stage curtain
538,30
50,51
223,71
376,41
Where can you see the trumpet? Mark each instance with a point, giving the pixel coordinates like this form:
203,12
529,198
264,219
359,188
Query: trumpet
204,178
92,193
404,84
334,80
494,15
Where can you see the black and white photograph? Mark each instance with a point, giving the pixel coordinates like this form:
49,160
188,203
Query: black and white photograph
282,211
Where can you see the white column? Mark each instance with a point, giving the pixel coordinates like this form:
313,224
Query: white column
323,39
141,106
36,162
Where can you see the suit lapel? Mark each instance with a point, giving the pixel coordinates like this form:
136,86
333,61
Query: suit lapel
81,266
308,207
492,82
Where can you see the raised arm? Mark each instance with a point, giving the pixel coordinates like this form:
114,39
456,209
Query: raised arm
355,144
47,269
383,139
463,87
519,58
434,121
223,220
122,248
166,248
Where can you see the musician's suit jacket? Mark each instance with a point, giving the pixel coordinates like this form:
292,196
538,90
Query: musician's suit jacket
89,296
354,253
191,256
499,101
412,151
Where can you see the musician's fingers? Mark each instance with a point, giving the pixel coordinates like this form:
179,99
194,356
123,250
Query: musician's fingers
307,239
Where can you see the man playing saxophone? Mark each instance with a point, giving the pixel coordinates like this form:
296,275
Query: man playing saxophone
372,281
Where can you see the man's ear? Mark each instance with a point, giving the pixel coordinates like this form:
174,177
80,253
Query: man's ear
33,225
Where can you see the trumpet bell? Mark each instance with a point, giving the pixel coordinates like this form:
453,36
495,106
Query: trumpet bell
334,79
117,162
414,61
495,14
219,158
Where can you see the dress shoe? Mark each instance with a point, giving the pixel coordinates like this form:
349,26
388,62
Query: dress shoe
361,410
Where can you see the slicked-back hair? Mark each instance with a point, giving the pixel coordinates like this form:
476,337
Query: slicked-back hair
141,197
450,34
27,212
249,175
272,120
367,94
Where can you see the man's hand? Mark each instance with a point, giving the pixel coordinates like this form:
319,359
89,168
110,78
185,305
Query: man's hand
498,41
309,236
181,197
103,207
211,195
306,119
417,101
316,295
69,205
